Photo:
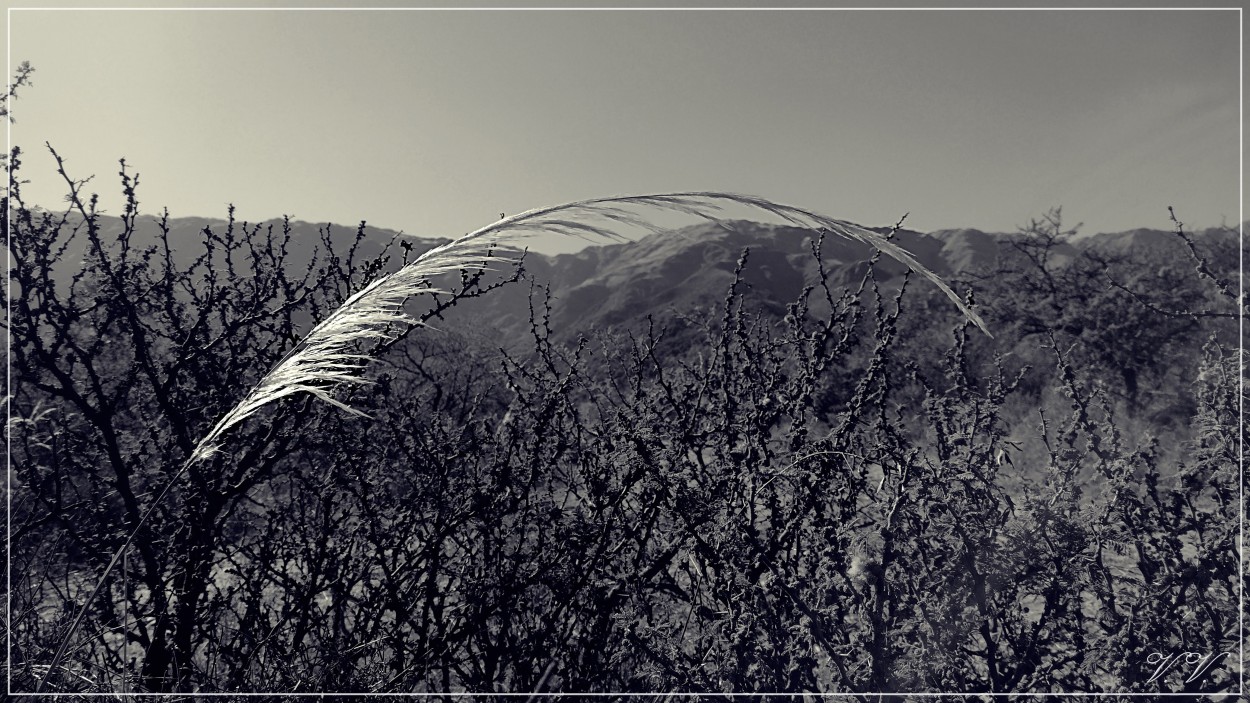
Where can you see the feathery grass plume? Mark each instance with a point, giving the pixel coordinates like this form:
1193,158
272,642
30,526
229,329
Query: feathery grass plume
327,357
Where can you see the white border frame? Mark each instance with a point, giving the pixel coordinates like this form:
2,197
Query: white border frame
1241,364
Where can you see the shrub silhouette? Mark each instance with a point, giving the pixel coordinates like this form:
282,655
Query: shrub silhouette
815,502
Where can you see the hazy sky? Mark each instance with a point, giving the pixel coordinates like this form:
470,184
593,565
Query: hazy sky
434,122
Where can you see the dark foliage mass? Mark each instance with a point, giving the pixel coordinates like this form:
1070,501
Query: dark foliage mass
856,494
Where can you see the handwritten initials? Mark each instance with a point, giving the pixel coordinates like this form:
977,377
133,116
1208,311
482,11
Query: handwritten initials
1197,662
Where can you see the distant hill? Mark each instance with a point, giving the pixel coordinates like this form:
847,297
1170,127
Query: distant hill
691,269
968,249
682,270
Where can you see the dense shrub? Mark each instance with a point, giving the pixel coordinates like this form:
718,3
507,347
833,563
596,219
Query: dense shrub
813,503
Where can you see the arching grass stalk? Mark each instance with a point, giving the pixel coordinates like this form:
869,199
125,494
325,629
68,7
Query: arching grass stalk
330,356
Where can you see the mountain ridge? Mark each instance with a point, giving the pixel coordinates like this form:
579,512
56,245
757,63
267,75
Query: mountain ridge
677,270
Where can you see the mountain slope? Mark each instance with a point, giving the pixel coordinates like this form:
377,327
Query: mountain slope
619,285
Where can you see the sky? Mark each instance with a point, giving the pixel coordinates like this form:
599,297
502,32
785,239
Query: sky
434,122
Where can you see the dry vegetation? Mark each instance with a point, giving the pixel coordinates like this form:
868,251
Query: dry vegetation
866,495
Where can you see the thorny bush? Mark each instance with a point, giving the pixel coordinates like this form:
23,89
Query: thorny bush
803,505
